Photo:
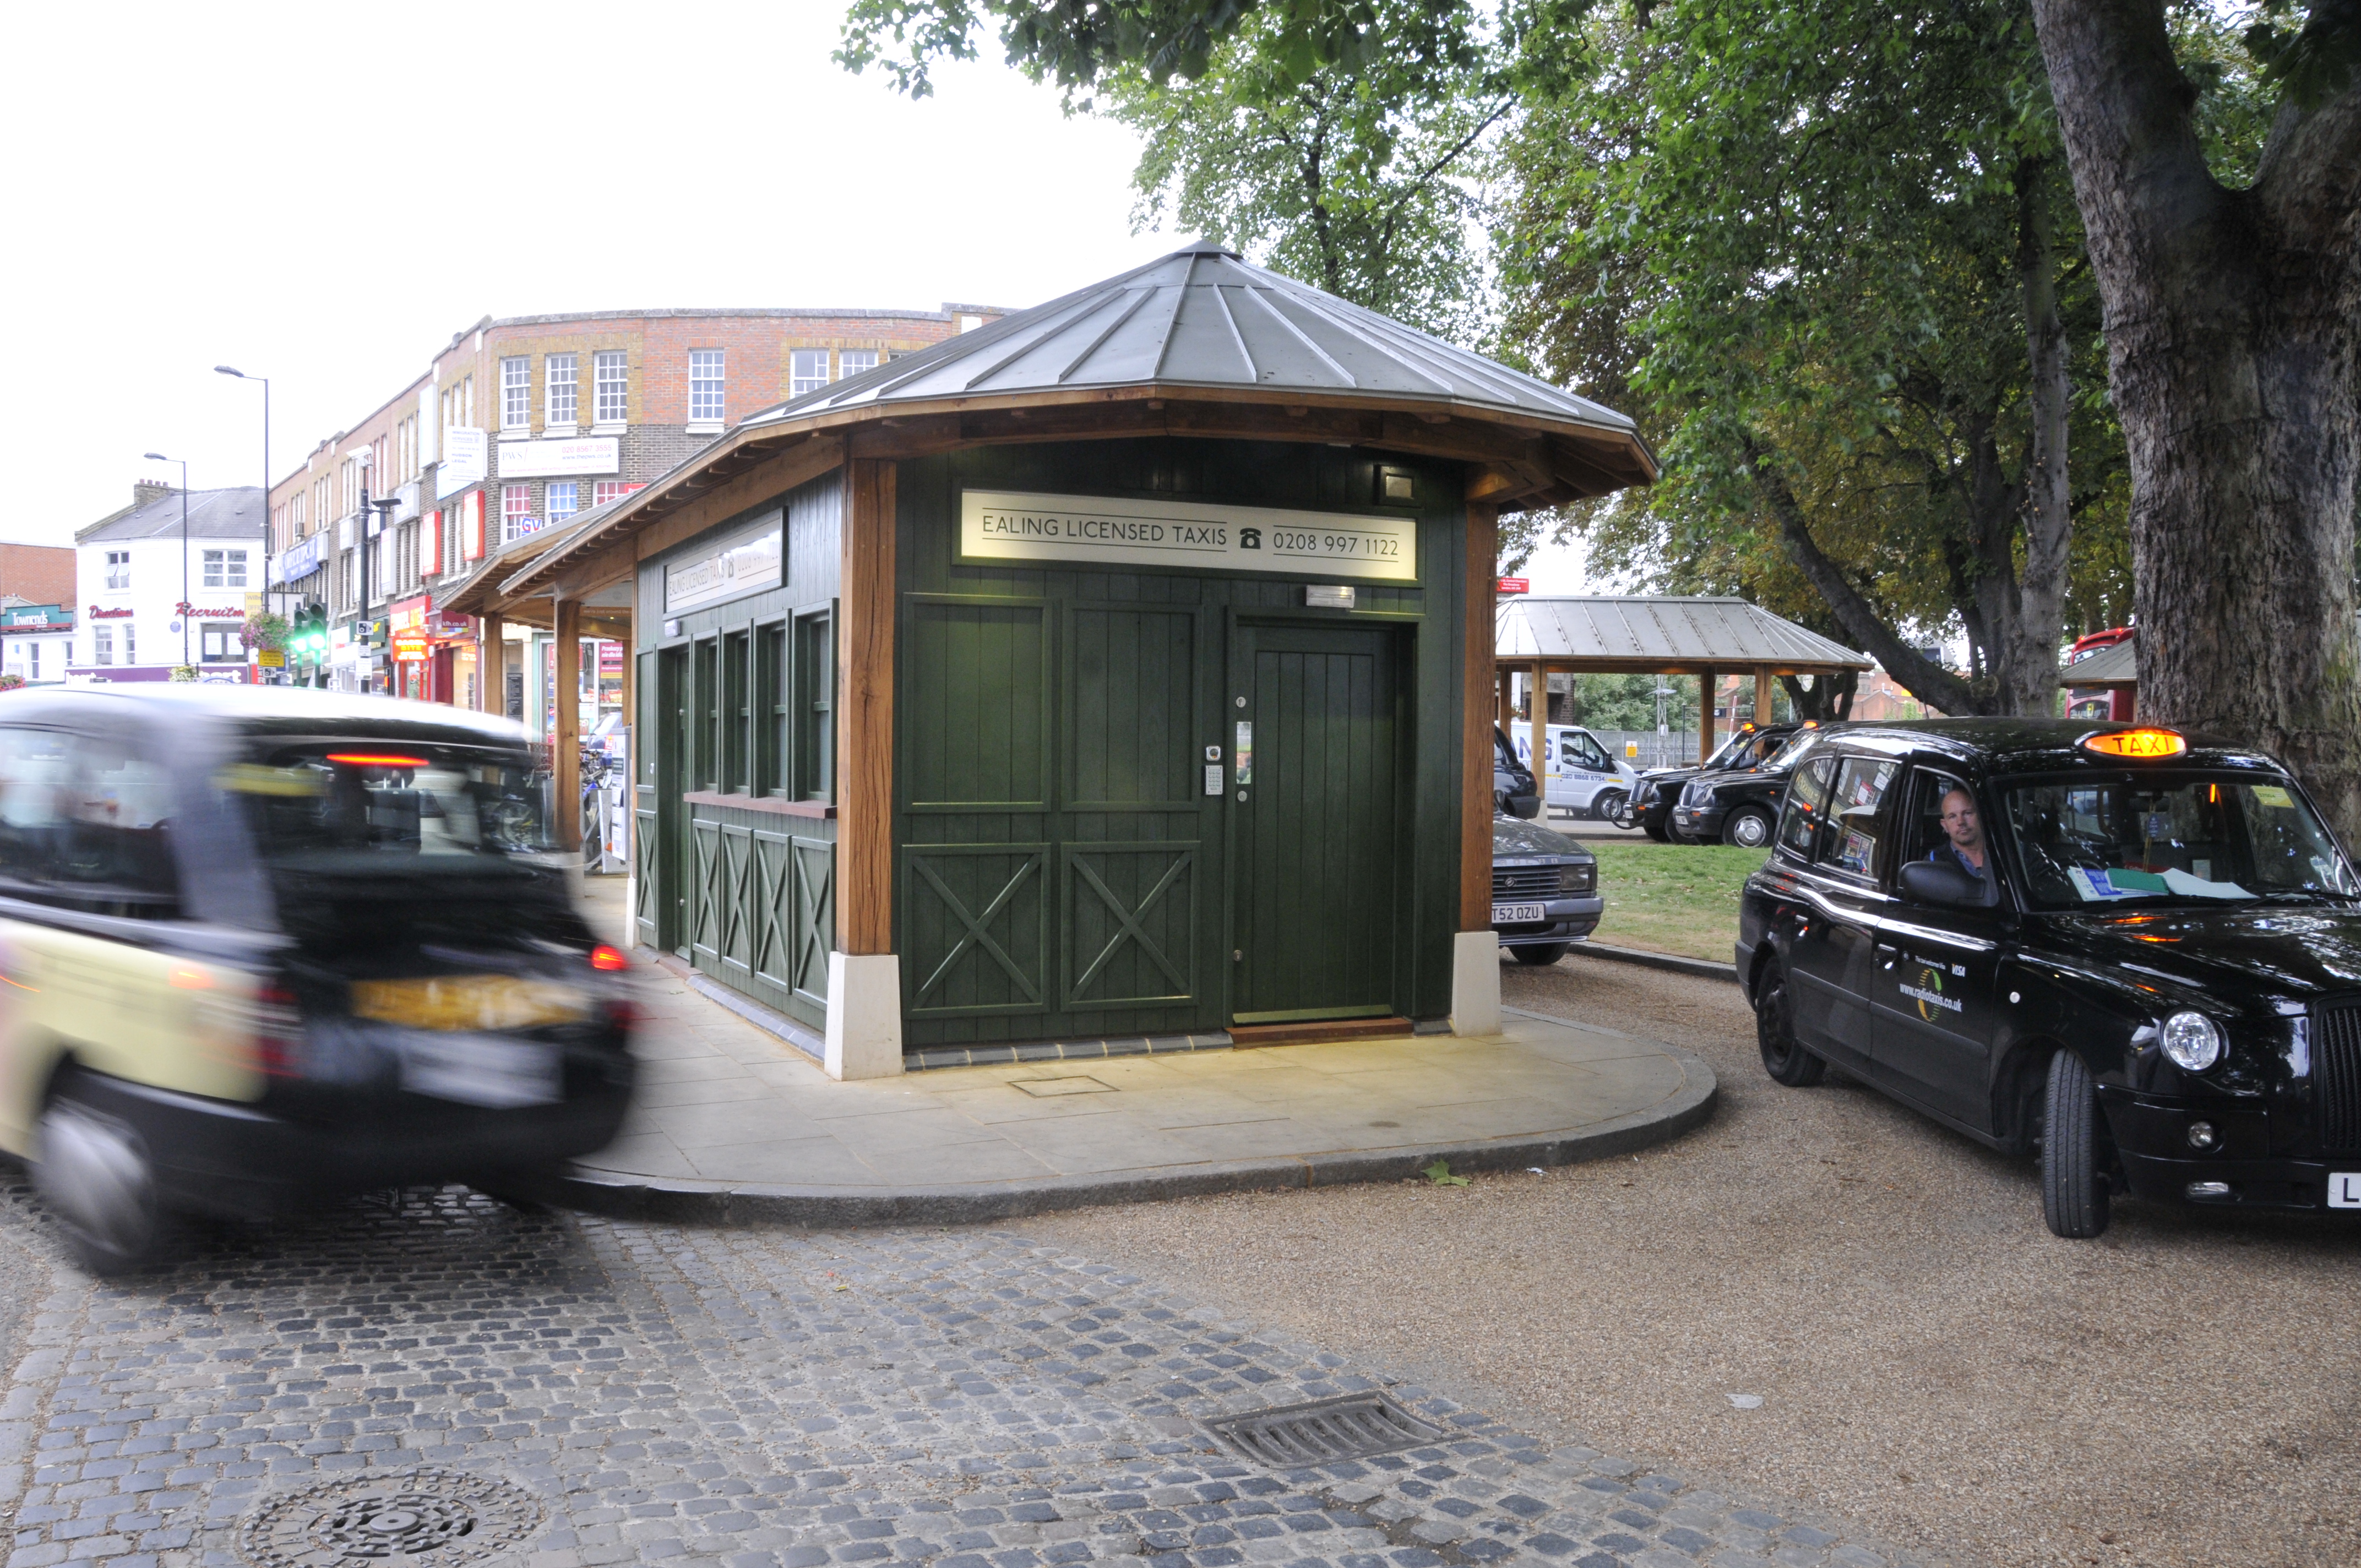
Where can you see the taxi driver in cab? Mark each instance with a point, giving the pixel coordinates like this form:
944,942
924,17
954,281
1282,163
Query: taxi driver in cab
1966,847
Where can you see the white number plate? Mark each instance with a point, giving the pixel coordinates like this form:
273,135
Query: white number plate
2345,1190
480,1070
1518,913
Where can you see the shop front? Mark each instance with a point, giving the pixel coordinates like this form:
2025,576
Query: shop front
1119,673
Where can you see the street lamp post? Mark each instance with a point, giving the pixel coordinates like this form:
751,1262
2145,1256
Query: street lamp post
185,601
233,370
385,505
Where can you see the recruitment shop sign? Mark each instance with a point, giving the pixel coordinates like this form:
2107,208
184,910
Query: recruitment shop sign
1101,531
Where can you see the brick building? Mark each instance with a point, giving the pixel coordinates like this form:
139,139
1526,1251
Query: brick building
524,423
37,574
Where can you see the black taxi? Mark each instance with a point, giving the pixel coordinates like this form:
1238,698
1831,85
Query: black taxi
2135,951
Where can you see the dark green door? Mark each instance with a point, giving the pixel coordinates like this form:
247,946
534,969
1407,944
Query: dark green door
1317,900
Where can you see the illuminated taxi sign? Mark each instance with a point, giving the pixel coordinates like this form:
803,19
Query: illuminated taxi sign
2141,745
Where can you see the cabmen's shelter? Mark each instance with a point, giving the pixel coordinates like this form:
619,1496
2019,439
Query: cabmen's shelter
1119,672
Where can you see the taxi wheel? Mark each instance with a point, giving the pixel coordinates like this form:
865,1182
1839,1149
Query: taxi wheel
1784,1056
1609,808
1749,827
1654,829
1541,953
94,1174
2073,1183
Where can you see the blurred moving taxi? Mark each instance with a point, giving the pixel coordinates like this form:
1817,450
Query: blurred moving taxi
261,945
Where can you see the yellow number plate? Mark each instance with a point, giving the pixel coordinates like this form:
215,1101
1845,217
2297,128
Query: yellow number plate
469,1002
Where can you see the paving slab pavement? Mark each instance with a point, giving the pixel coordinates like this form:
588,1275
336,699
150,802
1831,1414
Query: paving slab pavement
731,1123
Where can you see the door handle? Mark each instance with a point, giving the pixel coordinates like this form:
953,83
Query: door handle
1890,951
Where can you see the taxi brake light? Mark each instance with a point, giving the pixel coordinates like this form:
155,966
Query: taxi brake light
2142,744
377,759
603,957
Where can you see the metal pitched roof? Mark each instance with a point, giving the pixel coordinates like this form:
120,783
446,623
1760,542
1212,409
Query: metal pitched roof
1633,628
1203,317
233,513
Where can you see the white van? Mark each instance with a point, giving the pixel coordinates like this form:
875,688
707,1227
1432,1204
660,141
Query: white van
1584,776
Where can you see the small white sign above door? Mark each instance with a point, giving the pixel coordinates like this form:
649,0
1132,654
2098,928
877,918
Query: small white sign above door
1103,530
741,565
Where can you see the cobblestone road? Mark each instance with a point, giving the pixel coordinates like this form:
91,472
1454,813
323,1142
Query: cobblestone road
961,1398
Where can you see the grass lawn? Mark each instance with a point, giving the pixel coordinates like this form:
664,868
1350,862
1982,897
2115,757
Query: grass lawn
1675,898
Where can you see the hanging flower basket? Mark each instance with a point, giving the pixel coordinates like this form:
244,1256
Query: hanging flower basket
265,630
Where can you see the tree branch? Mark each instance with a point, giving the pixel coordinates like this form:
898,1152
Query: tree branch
1921,676
2129,115
2310,182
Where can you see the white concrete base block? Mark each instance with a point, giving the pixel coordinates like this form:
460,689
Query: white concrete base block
1475,983
864,1016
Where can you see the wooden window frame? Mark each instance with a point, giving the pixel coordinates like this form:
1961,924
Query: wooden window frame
812,654
773,638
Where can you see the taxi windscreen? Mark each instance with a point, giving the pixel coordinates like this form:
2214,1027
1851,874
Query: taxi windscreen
2087,843
370,808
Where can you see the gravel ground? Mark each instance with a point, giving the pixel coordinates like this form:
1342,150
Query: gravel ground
1932,1363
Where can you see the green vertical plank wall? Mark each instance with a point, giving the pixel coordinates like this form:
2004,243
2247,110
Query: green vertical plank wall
1060,872
746,895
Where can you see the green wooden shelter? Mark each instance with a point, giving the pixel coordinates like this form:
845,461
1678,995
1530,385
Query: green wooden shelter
1116,676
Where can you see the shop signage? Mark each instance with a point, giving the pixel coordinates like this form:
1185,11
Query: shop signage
185,607
271,658
410,646
1516,584
743,565
543,459
1102,530
462,461
98,614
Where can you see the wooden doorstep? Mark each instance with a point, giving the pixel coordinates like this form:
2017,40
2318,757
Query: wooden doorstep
1246,1036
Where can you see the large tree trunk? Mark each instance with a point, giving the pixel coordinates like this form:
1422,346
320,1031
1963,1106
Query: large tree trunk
2231,323
2029,674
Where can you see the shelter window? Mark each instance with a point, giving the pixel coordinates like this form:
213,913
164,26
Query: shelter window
557,377
611,387
565,499
737,717
118,568
516,393
853,361
806,371
706,693
814,705
704,386
771,709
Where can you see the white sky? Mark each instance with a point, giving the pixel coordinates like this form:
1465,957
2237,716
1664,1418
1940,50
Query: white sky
316,194
324,194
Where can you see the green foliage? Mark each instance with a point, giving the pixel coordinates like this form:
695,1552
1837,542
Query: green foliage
266,630
1439,1175
1078,44
1629,702
2311,61
1356,177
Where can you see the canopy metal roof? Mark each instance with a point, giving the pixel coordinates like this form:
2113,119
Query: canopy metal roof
2116,664
1203,317
1644,634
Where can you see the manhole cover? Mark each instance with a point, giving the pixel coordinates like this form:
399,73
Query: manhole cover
1353,1426
395,1517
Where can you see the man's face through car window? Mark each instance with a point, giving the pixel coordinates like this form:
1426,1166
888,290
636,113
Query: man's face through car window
1962,825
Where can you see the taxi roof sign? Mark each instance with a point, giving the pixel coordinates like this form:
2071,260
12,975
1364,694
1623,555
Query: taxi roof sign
2145,744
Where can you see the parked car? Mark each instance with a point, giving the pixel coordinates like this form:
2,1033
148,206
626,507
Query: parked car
1739,805
1658,790
1513,793
1545,891
263,945
1584,776
2155,986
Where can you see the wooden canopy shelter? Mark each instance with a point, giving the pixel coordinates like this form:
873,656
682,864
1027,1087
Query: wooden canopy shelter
1196,344
1649,635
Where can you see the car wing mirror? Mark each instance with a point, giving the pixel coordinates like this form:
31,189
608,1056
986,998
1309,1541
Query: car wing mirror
1948,886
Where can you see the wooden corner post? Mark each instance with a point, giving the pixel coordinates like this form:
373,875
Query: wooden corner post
1475,950
565,739
864,976
491,667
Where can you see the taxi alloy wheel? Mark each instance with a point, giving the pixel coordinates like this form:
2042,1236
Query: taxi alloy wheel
1612,807
2074,1187
1784,1056
1749,827
94,1174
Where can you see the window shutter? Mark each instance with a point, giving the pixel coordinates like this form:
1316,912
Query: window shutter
433,567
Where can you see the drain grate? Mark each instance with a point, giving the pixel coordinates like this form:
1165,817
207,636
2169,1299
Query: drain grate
1353,1426
394,1518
